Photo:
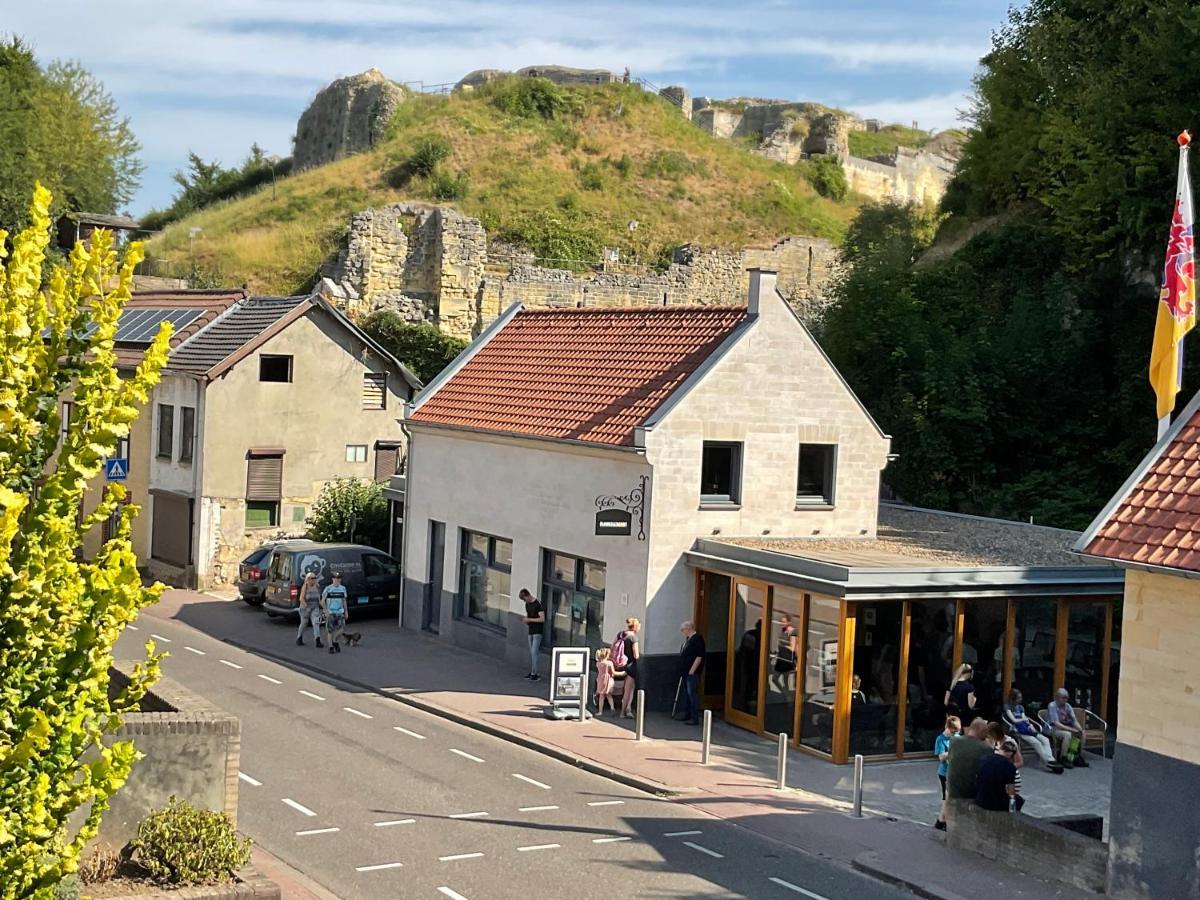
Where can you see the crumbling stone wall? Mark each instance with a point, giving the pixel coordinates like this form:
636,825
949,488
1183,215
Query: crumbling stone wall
347,116
908,176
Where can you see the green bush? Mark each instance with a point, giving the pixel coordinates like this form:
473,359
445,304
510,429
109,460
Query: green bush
421,347
565,239
825,173
445,185
70,888
623,166
183,844
672,164
591,178
350,510
531,98
427,152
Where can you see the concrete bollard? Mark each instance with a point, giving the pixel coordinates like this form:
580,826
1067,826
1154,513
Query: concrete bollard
858,785
781,774
706,737
640,723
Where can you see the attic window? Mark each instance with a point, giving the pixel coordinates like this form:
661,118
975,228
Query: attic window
274,368
374,390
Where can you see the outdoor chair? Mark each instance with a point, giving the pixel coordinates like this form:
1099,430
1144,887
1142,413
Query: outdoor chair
1092,736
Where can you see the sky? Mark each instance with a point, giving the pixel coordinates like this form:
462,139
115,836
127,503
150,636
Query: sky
216,76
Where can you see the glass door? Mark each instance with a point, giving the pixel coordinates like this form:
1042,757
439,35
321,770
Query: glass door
712,621
784,645
747,653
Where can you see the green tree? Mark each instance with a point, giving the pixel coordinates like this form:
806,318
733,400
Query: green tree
59,616
421,347
825,173
203,183
60,126
348,509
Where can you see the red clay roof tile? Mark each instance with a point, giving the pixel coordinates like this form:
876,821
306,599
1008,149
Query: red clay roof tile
1158,523
580,374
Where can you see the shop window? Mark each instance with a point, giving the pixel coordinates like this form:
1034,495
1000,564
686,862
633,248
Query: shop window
783,648
166,430
187,433
714,605
485,573
1085,654
721,473
573,594
356,453
815,478
930,654
984,624
374,390
1033,652
820,674
274,368
874,701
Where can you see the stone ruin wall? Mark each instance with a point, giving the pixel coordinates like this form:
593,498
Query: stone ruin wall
431,264
347,116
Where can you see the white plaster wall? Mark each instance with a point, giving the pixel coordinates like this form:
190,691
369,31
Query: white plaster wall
170,474
772,391
536,493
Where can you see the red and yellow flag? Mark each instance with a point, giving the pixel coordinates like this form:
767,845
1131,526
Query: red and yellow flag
1177,298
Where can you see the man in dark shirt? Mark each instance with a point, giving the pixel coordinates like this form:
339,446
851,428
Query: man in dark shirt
535,618
966,755
997,778
691,664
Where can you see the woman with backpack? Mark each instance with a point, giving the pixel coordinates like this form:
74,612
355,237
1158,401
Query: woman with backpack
625,654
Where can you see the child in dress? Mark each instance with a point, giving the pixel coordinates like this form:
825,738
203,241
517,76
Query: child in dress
604,680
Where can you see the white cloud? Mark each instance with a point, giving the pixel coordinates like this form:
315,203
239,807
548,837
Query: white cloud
938,111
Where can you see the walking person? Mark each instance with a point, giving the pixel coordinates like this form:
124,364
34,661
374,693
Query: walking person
309,609
605,677
632,653
535,618
336,610
941,749
691,664
960,697
784,668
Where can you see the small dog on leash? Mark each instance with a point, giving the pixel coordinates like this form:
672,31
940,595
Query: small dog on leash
352,638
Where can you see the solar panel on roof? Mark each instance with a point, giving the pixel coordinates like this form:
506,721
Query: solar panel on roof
139,326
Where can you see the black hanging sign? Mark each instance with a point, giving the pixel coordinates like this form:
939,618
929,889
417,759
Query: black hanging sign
614,521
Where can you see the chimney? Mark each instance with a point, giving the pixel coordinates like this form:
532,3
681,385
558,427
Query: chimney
762,283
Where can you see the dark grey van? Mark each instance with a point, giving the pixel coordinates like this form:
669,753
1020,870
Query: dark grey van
371,577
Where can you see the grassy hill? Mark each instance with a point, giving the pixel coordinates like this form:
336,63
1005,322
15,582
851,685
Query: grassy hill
866,144
560,170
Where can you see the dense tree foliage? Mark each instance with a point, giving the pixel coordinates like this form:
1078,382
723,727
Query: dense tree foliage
1012,373
61,616
60,127
204,183
348,509
423,348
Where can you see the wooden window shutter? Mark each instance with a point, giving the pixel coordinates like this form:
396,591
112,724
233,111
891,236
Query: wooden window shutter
264,475
374,390
387,460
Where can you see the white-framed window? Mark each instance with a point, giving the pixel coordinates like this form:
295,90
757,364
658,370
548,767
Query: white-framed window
356,453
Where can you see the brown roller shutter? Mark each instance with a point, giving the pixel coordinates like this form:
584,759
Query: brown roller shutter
264,475
387,460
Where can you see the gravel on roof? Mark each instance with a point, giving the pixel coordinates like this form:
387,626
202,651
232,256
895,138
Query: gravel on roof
931,537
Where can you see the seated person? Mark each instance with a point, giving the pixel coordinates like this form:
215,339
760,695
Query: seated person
1029,731
1066,726
996,785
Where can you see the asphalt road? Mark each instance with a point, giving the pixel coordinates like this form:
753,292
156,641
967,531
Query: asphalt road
375,799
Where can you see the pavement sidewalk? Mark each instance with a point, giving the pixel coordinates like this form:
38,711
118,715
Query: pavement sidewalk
737,786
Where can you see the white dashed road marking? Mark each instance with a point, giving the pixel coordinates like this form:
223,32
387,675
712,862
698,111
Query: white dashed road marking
453,895
713,853
681,833
251,781
377,868
133,628
610,840
528,780
538,847
159,637
299,807
390,822
312,695
606,803
796,888
316,831
470,815
535,808
194,650
458,856
465,755
231,665
353,711
270,679
411,734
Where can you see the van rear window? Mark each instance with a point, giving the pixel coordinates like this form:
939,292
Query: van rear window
257,556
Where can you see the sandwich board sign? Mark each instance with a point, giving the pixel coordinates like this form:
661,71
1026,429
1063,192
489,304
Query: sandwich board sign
569,683
116,469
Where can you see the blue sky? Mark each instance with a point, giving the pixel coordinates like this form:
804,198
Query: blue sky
217,75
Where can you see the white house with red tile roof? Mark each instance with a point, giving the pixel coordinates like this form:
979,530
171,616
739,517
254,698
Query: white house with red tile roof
580,453
1151,527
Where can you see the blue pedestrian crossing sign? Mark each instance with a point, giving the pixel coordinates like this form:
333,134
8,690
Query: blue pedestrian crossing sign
116,469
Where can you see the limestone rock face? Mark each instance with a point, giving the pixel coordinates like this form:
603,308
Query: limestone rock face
347,116
478,77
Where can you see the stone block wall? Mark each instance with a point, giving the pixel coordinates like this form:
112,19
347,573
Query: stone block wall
347,116
910,176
